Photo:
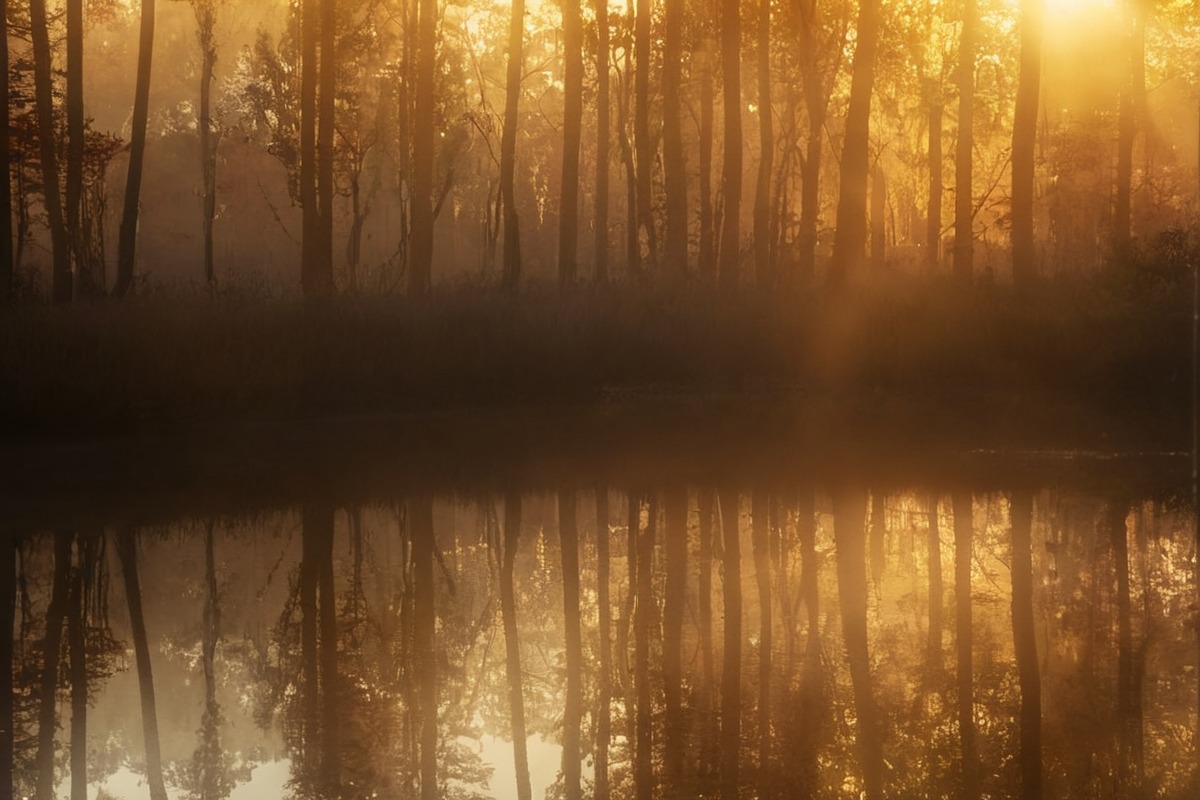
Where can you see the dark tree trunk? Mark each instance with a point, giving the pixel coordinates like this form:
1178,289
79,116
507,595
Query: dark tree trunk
850,239
421,266
6,231
51,653
816,99
964,212
568,218
74,103
674,166
806,535
704,75
706,711
77,648
641,130
604,680
127,235
624,668
60,246
420,520
568,535
766,152
508,148
933,649
731,177
603,132
310,663
933,212
1024,140
210,732
1025,646
310,226
646,620
8,607
326,82
878,219
1128,685
760,533
320,519
675,597
1132,100
127,553
731,674
633,248
206,24
963,638
849,531
512,643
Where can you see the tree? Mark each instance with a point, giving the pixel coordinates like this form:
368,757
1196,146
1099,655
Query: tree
51,654
731,675
761,533
602,140
603,629
645,621
75,127
850,238
206,22
127,237
573,709
964,211
508,147
963,535
766,151
326,93
731,178
1024,139
420,516
674,165
60,245
421,265
675,597
568,219
6,207
1133,98
512,643
641,129
1025,645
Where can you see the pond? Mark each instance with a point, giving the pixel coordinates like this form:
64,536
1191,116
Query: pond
664,623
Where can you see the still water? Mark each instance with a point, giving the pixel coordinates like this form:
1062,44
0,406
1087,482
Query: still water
794,638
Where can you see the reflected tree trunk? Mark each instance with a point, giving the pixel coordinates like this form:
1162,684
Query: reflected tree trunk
8,607
512,643
933,650
645,621
420,517
806,533
760,534
963,535
849,531
1127,687
309,654
319,519
127,235
878,537
1025,646
675,597
568,535
624,668
708,740
6,277
127,554
210,755
812,678
77,669
604,680
51,653
731,674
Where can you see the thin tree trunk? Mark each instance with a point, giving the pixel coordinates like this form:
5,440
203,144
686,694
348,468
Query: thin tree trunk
674,166
51,654
641,129
1025,646
310,226
806,534
1133,95
568,219
933,212
707,255
604,681
6,240
421,265
8,607
326,82
646,619
675,597
508,148
633,248
766,152
760,532
127,236
60,247
707,717
1024,140
420,516
74,103
731,177
878,218
850,239
127,553
731,673
624,668
1126,703
512,643
963,637
933,648
603,133
77,649
568,535
816,103
206,23
309,654
849,531
964,212
878,537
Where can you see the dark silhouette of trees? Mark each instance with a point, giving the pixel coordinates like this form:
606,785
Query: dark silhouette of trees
127,236
674,166
1024,140
568,535
512,643
51,654
60,245
508,147
1025,644
933,648
964,200
731,176
702,66
75,130
310,226
326,89
78,673
963,638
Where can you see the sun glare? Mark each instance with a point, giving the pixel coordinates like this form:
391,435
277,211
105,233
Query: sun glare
1075,8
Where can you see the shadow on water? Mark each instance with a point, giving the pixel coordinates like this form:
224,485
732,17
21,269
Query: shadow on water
722,614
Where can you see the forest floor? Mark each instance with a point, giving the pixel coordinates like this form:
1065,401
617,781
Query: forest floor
478,385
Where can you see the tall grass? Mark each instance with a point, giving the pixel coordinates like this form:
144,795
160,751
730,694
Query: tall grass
107,367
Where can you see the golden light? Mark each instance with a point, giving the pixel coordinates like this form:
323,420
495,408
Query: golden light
1074,10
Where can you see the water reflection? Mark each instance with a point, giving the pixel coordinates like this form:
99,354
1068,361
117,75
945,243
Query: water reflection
652,642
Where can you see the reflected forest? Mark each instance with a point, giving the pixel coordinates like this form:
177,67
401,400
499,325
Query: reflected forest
621,400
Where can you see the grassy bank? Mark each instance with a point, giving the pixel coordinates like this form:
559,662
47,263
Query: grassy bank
1073,354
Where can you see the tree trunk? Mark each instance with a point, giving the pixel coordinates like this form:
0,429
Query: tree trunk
933,647
310,226
878,219
675,597
878,537
206,24
420,520
568,535
1132,100
1025,646
707,716
568,218
127,236
731,177
326,82
1024,140
806,535
604,680
1126,703
508,148
964,212
849,531
646,620
963,637
641,130
77,649
310,663
127,553
633,248
933,212
674,166
211,782
731,674
623,667
707,255
60,246
74,103
512,643
816,100
7,266
760,532
603,132
850,239
766,152
51,653
421,265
